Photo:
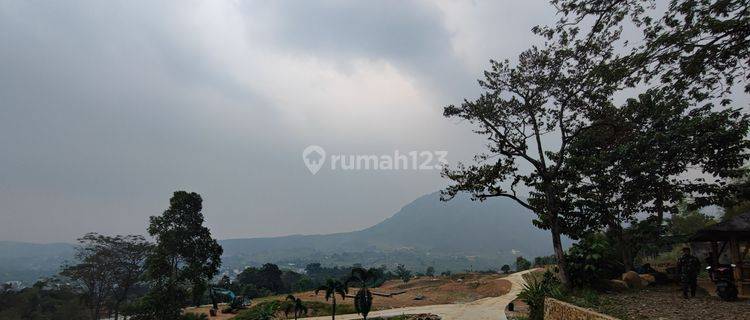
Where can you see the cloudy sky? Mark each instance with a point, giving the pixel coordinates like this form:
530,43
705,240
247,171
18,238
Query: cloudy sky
106,108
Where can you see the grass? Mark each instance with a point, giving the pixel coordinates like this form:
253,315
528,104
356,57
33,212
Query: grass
599,302
315,309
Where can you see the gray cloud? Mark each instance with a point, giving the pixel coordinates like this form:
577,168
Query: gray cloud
106,108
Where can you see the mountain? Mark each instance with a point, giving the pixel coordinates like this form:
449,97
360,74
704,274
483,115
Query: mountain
455,235
458,234
27,262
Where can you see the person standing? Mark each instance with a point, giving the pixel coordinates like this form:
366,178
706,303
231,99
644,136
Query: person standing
688,266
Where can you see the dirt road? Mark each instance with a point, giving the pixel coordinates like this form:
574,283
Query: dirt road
482,309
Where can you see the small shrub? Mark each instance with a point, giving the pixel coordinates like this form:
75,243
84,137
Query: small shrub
535,291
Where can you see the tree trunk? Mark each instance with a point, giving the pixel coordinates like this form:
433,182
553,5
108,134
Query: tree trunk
622,245
333,309
559,252
659,206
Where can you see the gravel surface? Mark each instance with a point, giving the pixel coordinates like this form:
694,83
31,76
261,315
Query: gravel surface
666,303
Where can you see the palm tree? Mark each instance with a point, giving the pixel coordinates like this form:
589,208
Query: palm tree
331,288
363,298
296,306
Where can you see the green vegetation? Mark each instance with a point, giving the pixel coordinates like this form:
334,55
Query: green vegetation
522,264
363,297
611,162
108,269
45,300
535,291
296,307
277,307
331,289
592,260
403,273
183,260
430,272
505,268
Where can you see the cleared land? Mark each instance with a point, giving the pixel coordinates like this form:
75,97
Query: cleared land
456,289
439,290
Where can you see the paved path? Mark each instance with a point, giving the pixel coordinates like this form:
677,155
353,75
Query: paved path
492,308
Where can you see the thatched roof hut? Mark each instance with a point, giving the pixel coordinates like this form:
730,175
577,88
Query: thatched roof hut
735,233
735,228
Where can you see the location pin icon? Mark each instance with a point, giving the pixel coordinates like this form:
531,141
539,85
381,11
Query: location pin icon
314,158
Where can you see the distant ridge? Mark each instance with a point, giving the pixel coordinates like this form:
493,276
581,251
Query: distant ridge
455,235
458,234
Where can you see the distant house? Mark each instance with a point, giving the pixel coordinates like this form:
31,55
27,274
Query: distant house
12,286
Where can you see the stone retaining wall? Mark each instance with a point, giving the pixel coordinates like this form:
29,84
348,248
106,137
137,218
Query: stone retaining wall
558,310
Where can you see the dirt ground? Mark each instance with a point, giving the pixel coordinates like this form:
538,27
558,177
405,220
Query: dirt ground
438,290
204,310
666,303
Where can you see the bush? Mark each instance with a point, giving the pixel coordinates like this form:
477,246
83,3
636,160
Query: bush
592,260
522,264
535,291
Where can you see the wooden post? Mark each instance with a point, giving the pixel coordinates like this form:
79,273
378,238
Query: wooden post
734,253
714,253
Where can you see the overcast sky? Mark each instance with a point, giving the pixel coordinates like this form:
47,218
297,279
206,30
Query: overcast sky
108,107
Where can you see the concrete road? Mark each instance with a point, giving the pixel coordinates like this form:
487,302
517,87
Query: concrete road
483,309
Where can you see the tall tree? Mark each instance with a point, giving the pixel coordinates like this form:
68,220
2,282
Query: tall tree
639,162
331,288
184,258
530,113
689,57
95,271
130,257
108,268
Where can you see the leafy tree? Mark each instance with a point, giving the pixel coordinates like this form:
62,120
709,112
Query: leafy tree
225,282
94,272
505,268
267,278
430,272
522,264
685,35
108,268
296,307
546,260
696,46
687,221
403,273
637,162
740,202
130,252
549,90
331,289
734,210
184,259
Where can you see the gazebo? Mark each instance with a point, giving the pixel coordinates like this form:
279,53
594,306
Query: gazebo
732,235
